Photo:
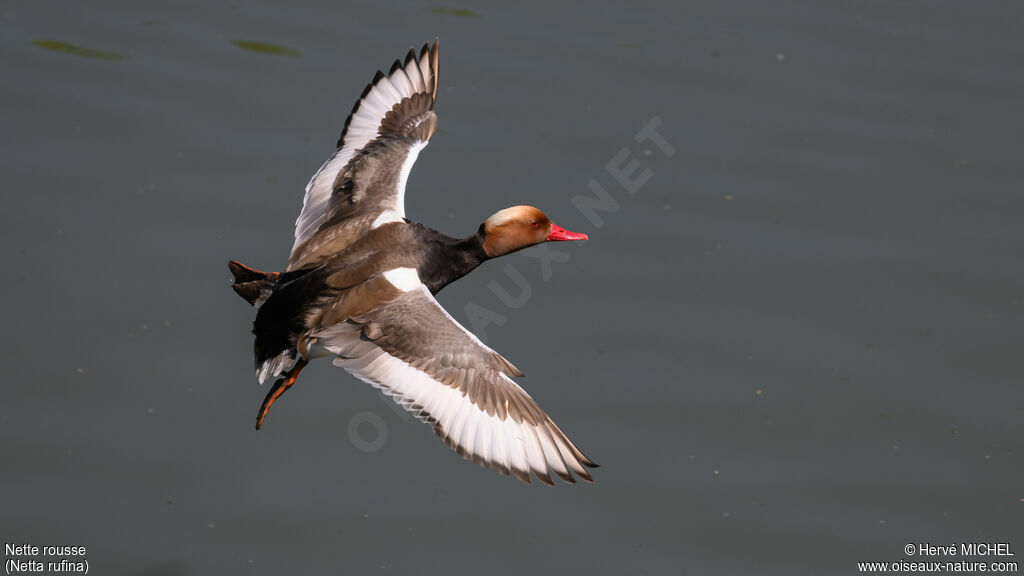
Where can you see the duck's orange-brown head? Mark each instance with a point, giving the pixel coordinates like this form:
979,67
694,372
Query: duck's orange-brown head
520,227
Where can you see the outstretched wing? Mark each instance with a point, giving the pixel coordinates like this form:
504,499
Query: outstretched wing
416,353
363,183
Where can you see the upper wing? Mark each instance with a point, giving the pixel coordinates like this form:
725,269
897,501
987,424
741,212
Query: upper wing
365,178
415,352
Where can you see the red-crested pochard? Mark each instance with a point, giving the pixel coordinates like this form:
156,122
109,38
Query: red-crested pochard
360,286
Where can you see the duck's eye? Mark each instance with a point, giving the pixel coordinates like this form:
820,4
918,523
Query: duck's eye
533,223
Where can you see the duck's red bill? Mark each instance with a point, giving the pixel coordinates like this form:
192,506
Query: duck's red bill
559,233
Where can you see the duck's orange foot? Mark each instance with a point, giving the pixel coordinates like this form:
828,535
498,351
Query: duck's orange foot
279,388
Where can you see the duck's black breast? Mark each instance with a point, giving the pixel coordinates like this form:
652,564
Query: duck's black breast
444,259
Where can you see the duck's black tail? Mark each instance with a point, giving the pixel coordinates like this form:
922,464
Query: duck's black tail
282,299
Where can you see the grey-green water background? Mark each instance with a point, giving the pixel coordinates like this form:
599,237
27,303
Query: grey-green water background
798,345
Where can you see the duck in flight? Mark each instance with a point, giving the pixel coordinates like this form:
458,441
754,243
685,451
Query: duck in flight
360,285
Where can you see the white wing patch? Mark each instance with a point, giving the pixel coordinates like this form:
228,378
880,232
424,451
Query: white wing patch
386,217
404,279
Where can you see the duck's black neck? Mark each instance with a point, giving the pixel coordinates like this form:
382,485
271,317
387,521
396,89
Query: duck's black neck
446,259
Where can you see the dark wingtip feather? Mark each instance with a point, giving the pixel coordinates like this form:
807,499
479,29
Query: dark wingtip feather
500,467
568,477
521,474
